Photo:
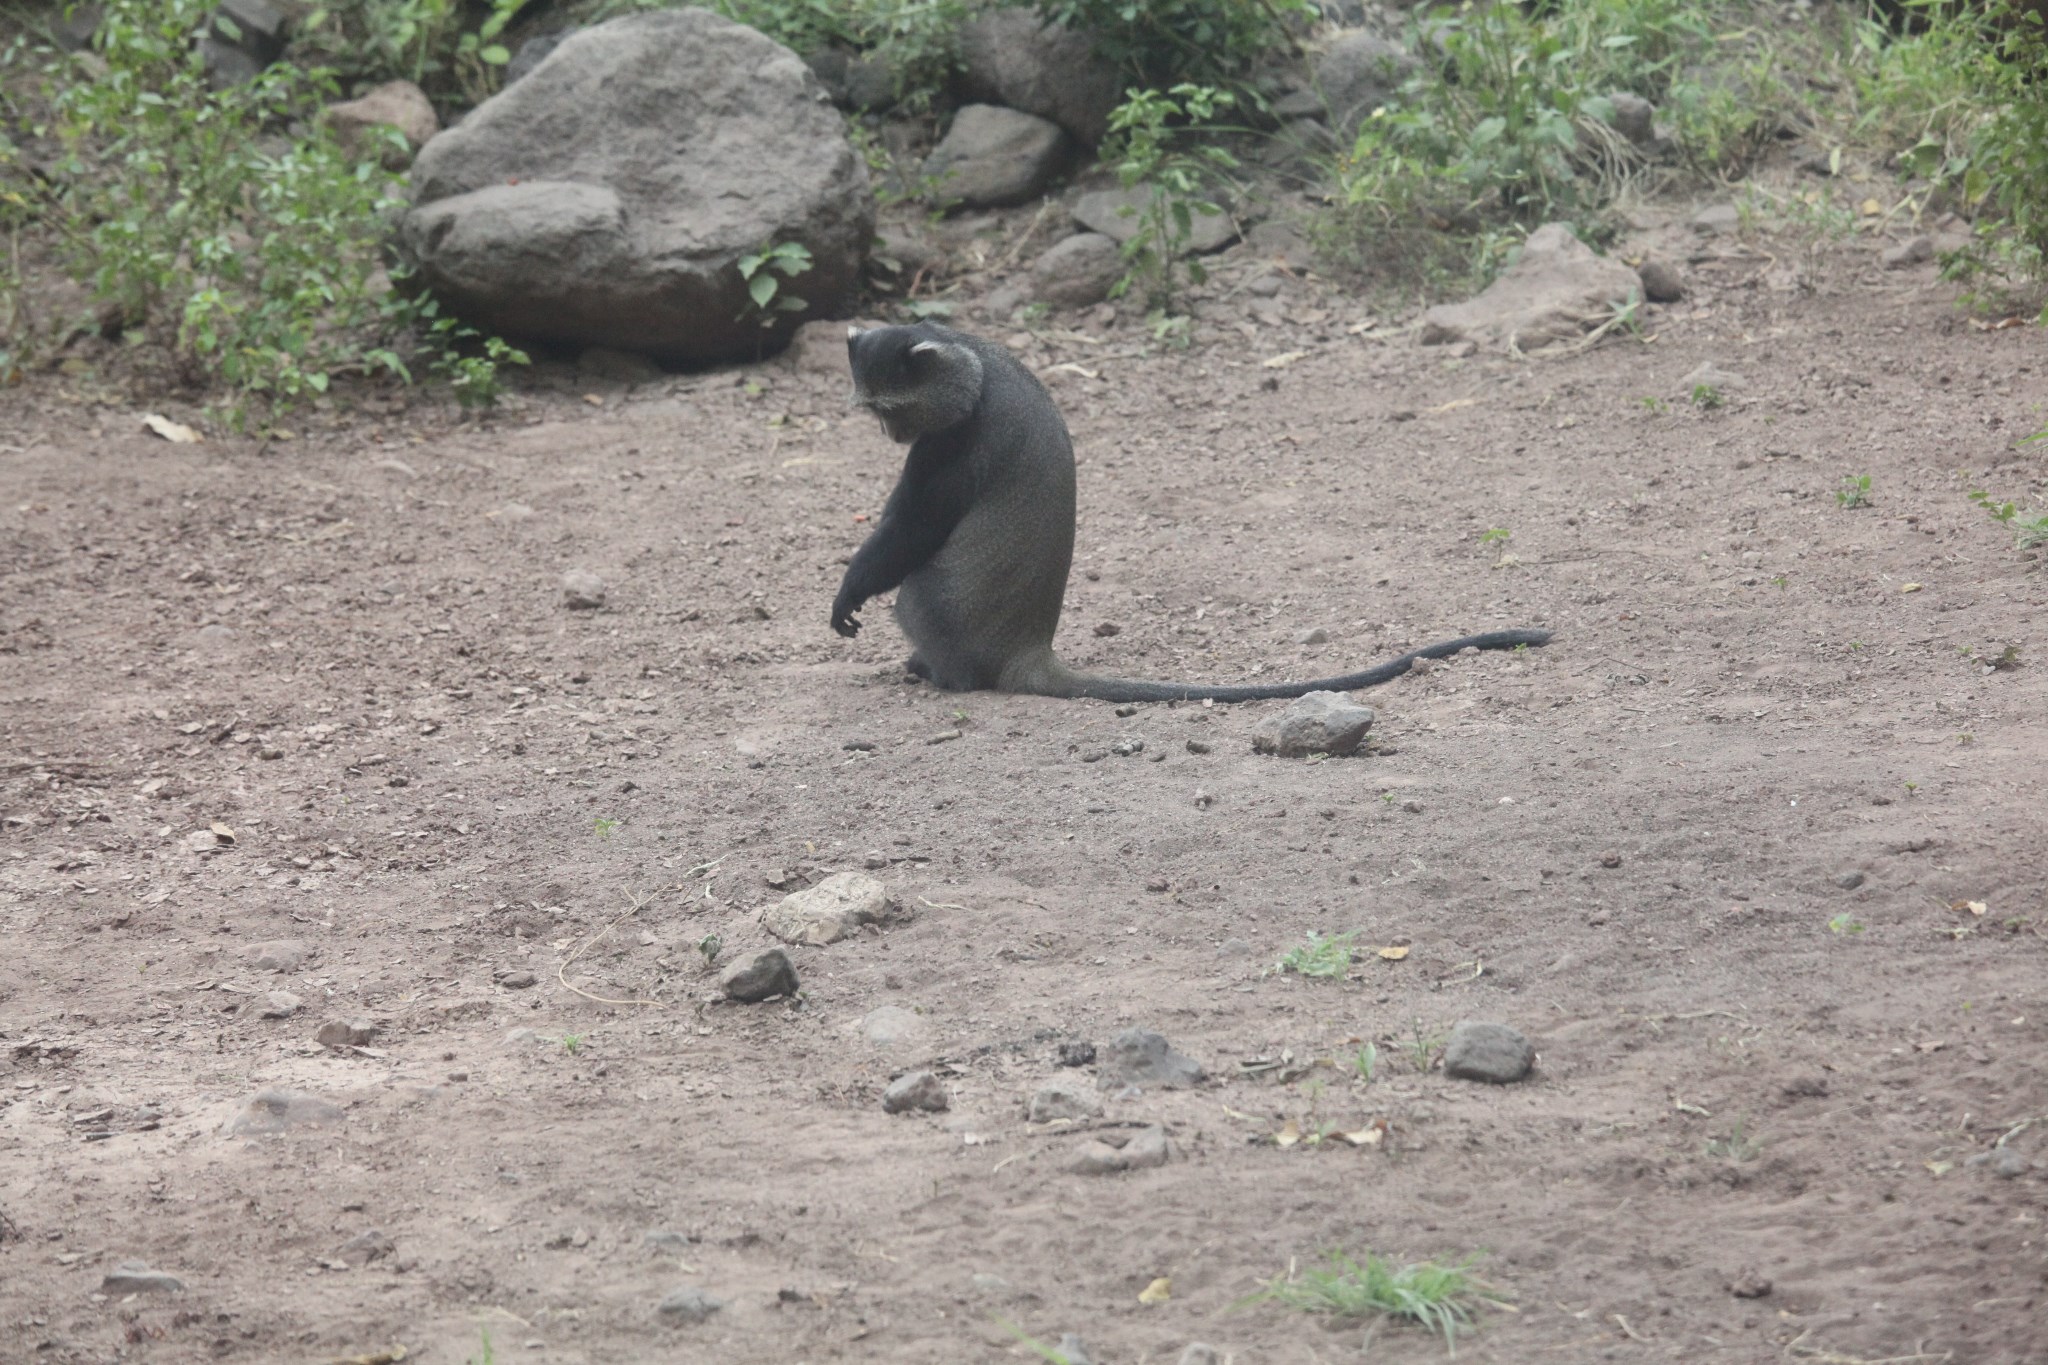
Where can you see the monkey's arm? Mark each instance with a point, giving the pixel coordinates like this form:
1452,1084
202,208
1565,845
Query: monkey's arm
928,503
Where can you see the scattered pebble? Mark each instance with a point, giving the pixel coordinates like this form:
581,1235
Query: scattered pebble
1234,947
1094,755
1203,800
1319,723
688,1306
1849,881
859,746
134,1277
1158,884
916,1090
1123,1152
1062,1100
1488,1052
582,590
1127,746
1076,1054
345,1033
1142,1057
269,1112
1127,711
521,1037
760,977
1661,282
1108,628
279,1005
517,981
1717,218
2004,1162
1314,636
1196,746
1412,807
943,737
829,911
283,955
365,1247
1610,859
1912,251
889,1026
1750,1285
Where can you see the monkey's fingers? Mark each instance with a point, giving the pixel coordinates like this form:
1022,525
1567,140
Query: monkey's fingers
845,624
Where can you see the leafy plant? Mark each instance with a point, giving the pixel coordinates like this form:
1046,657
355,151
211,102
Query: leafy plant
1706,397
1421,1048
1365,1062
766,271
1440,1298
1157,42
1493,534
249,263
422,41
1846,923
572,1043
1855,491
1320,956
1157,143
606,826
2027,531
1738,1145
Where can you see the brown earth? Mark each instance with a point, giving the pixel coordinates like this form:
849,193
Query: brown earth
1750,1137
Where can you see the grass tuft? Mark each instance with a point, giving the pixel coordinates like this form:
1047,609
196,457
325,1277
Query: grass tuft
1440,1298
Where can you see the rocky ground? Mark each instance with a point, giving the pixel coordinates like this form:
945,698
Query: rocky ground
373,800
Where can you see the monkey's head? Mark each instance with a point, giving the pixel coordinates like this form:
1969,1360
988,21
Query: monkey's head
916,379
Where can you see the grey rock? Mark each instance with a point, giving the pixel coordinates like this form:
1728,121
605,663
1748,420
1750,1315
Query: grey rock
609,366
582,590
345,1033
1145,1148
1062,1100
1493,1053
688,1306
605,199
760,977
921,1090
993,157
279,955
1661,282
522,1037
1358,73
1073,1350
517,980
532,53
1849,881
1281,242
1201,1353
1078,271
1315,635
244,37
269,1112
908,247
1009,57
1317,723
134,1277
394,104
872,81
1912,251
1141,1057
1115,213
1711,376
365,1247
2008,1164
1556,291
1075,1054
1717,219
1635,118
888,1026
279,1005
74,25
829,911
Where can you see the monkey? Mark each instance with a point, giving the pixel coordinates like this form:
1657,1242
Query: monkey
978,535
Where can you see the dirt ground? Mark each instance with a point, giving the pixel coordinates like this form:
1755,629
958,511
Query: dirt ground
1706,849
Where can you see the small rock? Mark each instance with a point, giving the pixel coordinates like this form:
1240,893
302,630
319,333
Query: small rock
916,1090
281,955
888,1026
1412,807
395,104
1077,272
1141,1057
1849,881
1661,282
1203,800
1912,251
522,1037
1610,859
1124,748
2008,1164
688,1306
1158,884
1062,1100
760,977
1108,628
1711,376
1234,947
1201,1353
1073,1350
582,590
280,1111
1118,213
345,1033
1488,1052
1319,723
279,1005
1315,636
993,156
944,737
517,981
133,1277
1196,746
829,911
365,1247
1635,118
1717,218
1076,1054
1146,1148
1750,1285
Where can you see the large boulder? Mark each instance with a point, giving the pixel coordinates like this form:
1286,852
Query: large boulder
992,157
1558,290
1009,57
1358,73
607,198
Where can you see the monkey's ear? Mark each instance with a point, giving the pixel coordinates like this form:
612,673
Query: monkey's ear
926,348
853,333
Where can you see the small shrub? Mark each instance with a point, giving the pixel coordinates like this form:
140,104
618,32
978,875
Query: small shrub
1164,42
1855,491
1320,956
1179,173
1440,1298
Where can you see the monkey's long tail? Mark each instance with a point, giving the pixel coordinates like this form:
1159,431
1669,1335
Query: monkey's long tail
1065,683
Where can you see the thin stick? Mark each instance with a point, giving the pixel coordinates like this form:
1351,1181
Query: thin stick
570,961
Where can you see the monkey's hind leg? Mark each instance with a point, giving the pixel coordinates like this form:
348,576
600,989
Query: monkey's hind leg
916,667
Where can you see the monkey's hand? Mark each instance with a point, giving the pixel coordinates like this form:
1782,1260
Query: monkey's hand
843,608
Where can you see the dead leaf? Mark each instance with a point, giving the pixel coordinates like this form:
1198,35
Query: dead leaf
595,400
1977,908
2000,325
1289,1134
1935,1046
175,432
1283,360
1940,1168
1392,954
1909,587
1159,1291
1069,367
1230,1113
1371,1135
222,832
1871,208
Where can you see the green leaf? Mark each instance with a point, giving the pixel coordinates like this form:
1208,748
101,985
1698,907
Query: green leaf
495,55
762,288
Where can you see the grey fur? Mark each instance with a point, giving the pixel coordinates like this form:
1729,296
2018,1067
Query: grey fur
978,536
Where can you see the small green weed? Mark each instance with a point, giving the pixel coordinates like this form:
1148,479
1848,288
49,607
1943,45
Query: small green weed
711,945
1421,1048
572,1043
1440,1298
1652,404
484,1355
606,826
1365,1062
2027,531
1706,397
1157,42
1846,923
1738,1145
1855,491
1320,956
766,271
1496,533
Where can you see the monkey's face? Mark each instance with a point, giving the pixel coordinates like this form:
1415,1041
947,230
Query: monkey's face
893,369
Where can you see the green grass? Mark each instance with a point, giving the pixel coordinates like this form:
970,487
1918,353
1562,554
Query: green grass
1855,491
1442,1299
1320,956
1739,1145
